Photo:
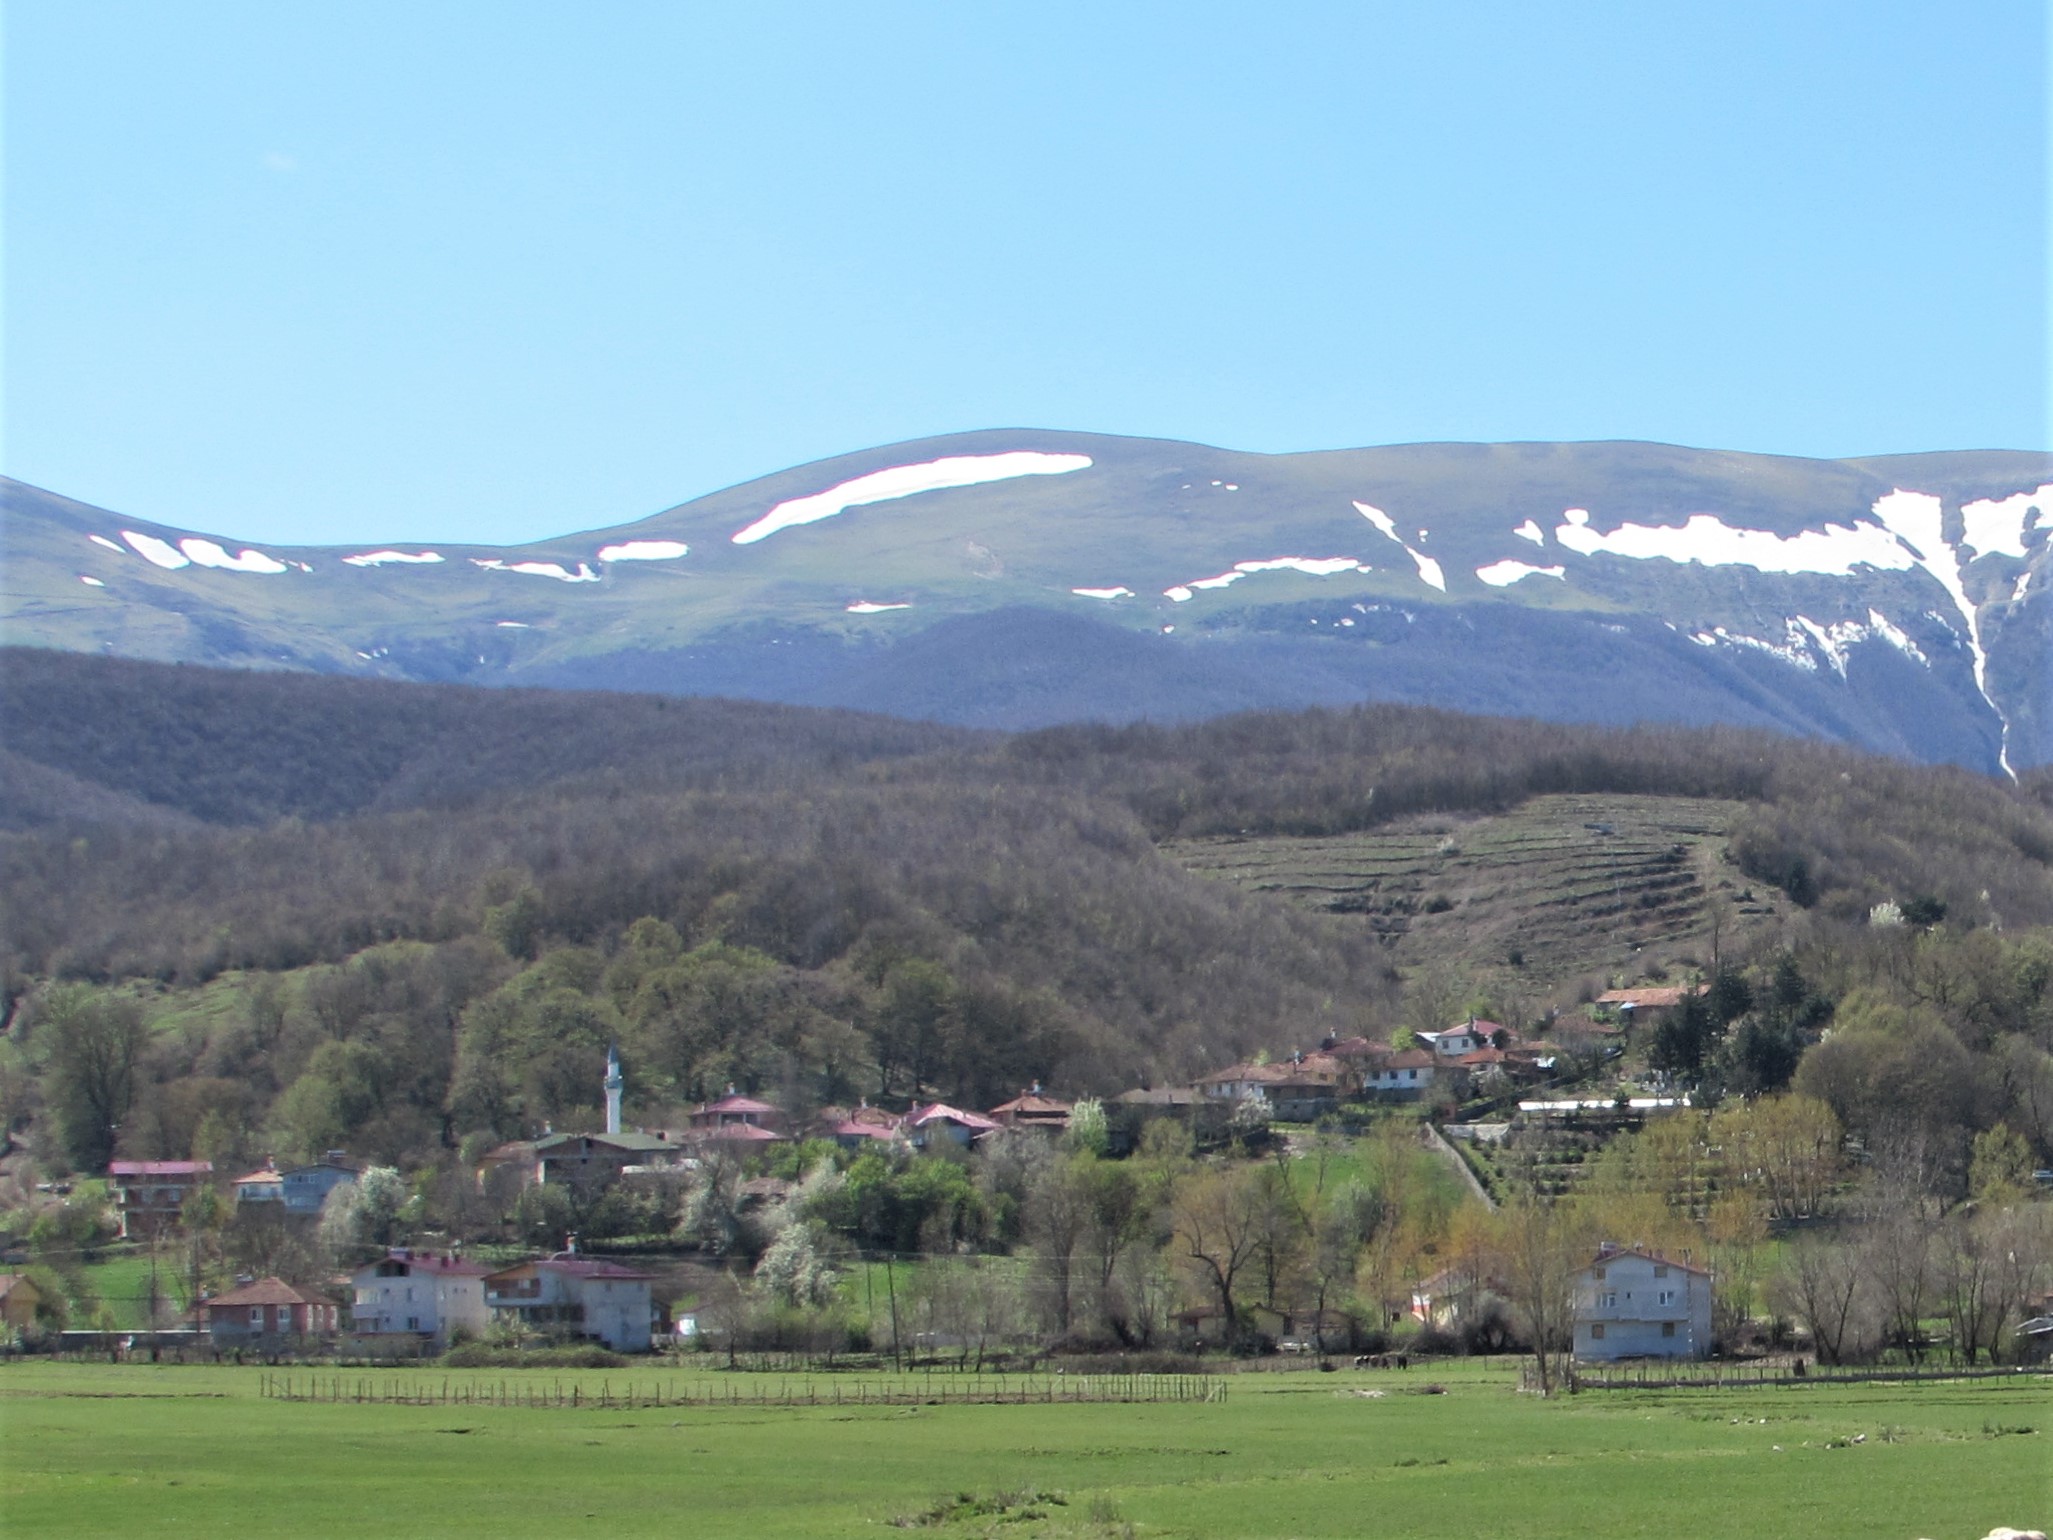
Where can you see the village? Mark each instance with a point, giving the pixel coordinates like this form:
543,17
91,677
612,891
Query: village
1345,1201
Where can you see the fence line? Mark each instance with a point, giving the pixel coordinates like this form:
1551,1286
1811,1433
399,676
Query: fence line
949,1390
1700,1376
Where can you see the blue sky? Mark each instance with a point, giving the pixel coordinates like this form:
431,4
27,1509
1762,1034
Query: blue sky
299,272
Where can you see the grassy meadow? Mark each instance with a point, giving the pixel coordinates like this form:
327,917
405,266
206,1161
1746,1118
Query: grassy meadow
97,1450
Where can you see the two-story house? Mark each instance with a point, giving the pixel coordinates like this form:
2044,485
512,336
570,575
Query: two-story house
423,1295
150,1194
1633,1303
573,1296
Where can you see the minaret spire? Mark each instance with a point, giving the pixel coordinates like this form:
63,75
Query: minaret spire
613,1085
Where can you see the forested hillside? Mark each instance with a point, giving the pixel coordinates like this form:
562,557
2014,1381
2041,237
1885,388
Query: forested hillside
397,916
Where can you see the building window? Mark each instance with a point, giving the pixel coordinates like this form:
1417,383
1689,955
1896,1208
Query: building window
256,1315
1597,1273
1668,1296
1660,1272
1667,1328
1611,1300
1597,1332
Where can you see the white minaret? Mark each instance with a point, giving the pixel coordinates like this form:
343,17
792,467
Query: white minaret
613,1085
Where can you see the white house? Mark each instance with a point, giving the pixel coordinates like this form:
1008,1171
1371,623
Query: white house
1463,1037
573,1296
1409,1073
423,1294
1631,1303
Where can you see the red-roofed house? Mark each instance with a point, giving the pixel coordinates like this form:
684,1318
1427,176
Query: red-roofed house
419,1296
573,1296
150,1194
938,1120
266,1313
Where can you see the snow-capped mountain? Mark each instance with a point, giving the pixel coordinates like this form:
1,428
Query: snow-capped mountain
1017,577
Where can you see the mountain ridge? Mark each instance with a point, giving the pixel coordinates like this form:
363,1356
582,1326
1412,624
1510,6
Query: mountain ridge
1015,577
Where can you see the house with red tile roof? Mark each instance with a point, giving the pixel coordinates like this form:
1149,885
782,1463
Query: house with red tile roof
267,1313
410,1298
939,1121
573,1296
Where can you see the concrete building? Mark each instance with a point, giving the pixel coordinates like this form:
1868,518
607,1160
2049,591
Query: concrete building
418,1298
573,1296
1633,1303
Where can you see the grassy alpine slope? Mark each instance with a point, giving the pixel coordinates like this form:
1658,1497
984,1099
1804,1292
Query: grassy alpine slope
98,1451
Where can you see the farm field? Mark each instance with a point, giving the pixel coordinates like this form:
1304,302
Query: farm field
1573,884
97,1450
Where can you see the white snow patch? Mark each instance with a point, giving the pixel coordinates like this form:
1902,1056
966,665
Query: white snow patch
109,544
1705,538
158,553
1380,519
1178,595
1997,525
1429,569
1502,574
1103,593
904,481
205,553
1531,531
2024,581
91,582
1223,580
1805,641
868,607
512,625
1794,651
644,550
1233,486
547,569
1918,521
380,558
1311,566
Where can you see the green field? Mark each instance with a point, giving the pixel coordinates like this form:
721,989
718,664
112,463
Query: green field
174,1450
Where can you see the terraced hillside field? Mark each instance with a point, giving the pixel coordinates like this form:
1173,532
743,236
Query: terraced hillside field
1559,889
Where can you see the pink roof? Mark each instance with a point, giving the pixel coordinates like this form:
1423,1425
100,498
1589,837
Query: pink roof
267,1291
1651,996
746,1133
266,1175
160,1167
941,1112
447,1263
